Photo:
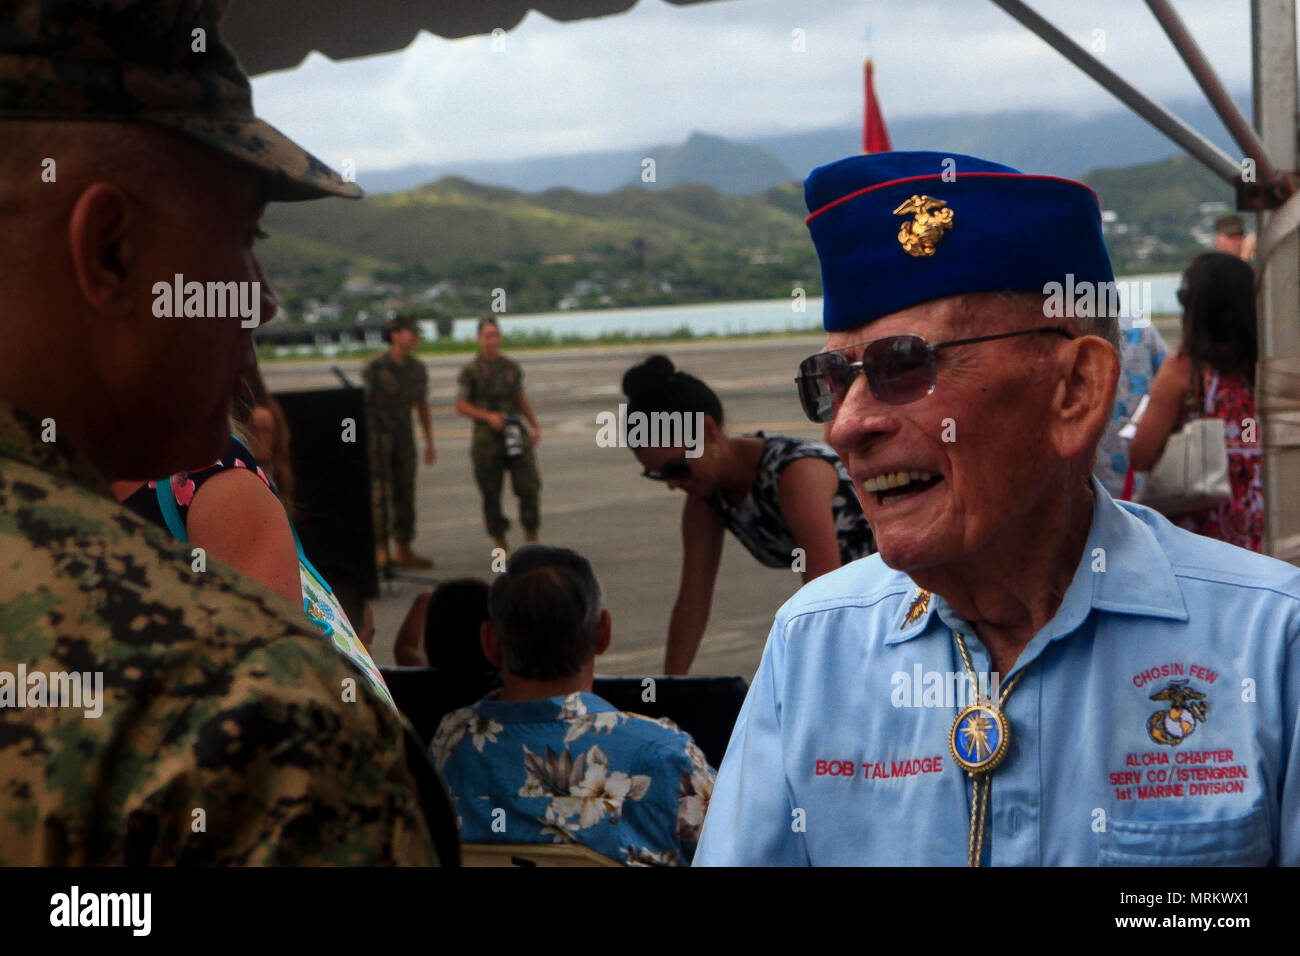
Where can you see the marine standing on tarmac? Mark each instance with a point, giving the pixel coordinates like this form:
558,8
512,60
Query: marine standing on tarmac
394,382
192,715
491,391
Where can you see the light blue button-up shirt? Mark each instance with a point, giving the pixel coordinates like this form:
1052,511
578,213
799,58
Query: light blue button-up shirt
1155,722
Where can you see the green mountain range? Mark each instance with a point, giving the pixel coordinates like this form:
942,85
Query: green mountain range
1159,210
632,246
446,246
737,169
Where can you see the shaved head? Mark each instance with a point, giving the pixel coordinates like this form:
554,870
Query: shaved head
93,216
45,166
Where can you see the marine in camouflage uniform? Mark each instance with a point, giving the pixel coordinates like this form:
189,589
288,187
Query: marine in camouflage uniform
496,386
214,698
227,730
393,389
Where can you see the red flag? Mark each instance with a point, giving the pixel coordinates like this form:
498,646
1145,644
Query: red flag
875,138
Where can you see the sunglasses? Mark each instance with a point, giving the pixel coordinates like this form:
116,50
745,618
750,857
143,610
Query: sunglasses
900,369
678,470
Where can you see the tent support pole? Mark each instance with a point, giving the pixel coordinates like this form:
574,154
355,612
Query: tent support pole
1200,148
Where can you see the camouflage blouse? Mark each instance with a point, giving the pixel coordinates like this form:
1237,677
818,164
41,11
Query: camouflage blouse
154,714
492,386
392,390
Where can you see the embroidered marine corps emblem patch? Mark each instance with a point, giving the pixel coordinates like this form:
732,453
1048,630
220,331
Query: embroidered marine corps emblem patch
1186,709
932,220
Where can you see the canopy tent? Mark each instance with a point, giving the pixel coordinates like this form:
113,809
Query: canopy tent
1265,179
279,35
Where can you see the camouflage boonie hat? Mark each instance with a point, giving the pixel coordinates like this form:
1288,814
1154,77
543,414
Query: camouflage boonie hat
146,61
404,321
1230,225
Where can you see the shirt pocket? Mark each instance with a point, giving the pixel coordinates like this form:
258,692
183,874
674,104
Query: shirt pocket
1236,841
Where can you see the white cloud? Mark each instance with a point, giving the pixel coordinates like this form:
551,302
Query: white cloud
658,72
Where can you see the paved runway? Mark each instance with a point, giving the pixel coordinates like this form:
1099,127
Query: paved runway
594,499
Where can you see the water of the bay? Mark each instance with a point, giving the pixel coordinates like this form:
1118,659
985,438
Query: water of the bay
1157,292
749,318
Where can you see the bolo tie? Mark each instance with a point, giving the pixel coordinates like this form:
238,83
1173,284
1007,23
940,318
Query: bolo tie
978,741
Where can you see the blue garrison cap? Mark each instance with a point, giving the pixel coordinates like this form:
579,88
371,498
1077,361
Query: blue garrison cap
893,230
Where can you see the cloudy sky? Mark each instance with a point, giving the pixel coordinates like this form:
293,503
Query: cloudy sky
730,68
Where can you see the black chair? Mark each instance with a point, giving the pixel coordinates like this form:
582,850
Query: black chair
427,694
704,707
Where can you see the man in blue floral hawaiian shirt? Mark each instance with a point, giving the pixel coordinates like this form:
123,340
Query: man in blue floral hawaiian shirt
544,759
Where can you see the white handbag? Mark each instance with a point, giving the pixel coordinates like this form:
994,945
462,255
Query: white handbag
1192,472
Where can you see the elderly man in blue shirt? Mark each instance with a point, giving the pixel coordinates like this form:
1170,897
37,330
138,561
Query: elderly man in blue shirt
1028,673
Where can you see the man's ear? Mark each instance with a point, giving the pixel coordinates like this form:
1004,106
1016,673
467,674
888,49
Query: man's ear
106,249
1085,392
710,429
491,644
603,631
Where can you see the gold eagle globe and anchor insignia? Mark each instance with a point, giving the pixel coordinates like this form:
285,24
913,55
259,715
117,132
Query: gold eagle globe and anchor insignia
1186,709
933,219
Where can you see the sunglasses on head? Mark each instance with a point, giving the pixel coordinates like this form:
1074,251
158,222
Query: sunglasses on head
899,369
678,470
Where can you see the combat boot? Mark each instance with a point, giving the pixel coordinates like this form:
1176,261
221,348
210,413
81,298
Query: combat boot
404,557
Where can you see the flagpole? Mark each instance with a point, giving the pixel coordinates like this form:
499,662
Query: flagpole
866,89
866,104
875,138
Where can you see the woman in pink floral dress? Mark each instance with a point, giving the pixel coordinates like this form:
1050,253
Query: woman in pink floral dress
1217,359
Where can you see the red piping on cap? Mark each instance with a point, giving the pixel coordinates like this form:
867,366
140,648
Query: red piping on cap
911,179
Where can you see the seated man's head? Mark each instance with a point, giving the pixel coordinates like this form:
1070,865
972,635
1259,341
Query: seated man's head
973,444
547,620
453,624
100,220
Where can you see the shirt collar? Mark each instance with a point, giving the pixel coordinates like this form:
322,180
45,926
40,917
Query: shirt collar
539,711
1123,569
21,438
